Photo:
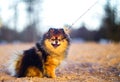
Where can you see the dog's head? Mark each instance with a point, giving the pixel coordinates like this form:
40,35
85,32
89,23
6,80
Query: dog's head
56,40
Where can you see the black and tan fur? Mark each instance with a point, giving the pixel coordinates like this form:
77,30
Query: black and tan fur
43,59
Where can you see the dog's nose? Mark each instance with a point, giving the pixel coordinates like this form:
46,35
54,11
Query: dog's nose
56,42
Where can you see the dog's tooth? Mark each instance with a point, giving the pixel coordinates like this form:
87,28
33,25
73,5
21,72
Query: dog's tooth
54,42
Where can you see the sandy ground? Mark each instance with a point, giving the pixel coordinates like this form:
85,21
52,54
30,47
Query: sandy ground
86,62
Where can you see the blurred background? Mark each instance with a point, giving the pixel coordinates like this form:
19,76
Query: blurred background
27,20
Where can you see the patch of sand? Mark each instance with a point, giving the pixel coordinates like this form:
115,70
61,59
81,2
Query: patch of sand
86,62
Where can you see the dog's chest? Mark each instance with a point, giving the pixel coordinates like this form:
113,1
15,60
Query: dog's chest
54,59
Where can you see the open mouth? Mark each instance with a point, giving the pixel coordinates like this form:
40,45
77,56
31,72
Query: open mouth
55,44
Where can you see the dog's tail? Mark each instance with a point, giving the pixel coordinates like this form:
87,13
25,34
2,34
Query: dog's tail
14,63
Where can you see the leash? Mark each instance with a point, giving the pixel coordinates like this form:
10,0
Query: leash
69,27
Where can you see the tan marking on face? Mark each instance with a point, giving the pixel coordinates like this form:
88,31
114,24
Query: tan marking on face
63,44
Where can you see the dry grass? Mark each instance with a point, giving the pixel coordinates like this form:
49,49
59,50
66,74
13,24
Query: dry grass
86,62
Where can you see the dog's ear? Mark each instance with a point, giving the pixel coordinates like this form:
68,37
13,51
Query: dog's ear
61,31
51,30
67,29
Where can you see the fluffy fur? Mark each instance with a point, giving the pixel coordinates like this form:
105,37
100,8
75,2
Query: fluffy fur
43,59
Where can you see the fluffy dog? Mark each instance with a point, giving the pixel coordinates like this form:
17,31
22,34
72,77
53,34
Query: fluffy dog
43,59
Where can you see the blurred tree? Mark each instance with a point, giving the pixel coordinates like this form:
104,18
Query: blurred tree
8,35
85,34
110,27
33,8
13,6
15,14
30,33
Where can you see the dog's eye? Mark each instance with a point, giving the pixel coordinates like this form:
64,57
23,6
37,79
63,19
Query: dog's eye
59,39
52,39
62,38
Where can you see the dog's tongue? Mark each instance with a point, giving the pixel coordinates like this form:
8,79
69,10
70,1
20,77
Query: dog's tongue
55,45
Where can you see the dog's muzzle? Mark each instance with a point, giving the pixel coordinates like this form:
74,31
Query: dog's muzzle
55,44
